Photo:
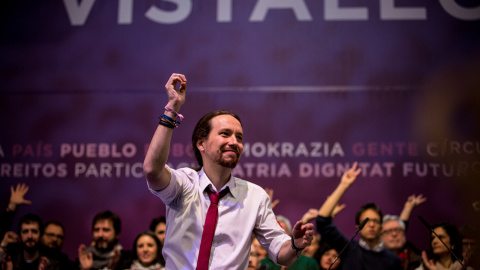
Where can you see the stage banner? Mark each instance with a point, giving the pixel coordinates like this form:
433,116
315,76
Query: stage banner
319,85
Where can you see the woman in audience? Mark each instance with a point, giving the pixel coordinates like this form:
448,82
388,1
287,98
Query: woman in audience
325,255
147,253
439,256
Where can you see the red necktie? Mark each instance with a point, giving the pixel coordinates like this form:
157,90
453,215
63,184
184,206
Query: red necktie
209,229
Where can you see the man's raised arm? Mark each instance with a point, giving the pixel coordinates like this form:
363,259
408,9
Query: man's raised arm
158,176
347,180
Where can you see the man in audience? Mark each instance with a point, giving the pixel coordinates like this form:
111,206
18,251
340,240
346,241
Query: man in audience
25,255
394,230
105,251
52,243
469,236
369,252
394,239
53,235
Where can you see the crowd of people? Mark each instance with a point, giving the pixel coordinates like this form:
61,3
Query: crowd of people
38,245
215,220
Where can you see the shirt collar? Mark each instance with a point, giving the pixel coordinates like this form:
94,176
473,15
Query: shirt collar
206,183
377,248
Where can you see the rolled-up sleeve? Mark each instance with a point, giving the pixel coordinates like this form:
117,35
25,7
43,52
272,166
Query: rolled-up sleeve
268,231
170,194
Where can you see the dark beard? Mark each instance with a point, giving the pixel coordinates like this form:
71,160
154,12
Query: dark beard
30,249
109,247
227,164
230,164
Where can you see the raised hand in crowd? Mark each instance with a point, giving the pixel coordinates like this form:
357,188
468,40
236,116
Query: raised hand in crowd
85,259
270,194
8,238
17,196
312,213
412,202
348,178
360,252
5,259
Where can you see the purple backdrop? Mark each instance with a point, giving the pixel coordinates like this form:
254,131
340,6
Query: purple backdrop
318,84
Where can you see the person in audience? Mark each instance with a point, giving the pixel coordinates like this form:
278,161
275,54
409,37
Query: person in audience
444,241
321,251
284,223
7,214
105,251
440,256
159,226
312,250
51,246
394,239
25,255
469,237
262,253
30,252
368,253
253,263
53,235
394,231
326,255
146,253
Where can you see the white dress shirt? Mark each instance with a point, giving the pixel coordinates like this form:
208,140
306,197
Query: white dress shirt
244,209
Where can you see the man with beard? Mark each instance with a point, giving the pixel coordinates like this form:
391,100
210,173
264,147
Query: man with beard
25,255
105,251
52,242
210,213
